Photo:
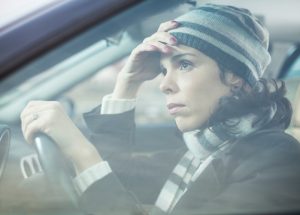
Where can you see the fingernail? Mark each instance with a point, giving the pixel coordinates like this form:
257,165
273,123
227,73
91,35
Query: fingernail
166,49
173,40
151,48
174,22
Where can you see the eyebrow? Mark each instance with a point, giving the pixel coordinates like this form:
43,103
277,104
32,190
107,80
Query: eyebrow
176,57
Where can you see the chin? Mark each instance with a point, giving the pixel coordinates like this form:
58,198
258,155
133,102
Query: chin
187,125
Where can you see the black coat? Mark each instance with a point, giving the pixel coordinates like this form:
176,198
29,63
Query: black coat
260,175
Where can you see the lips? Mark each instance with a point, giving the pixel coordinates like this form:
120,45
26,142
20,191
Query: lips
175,108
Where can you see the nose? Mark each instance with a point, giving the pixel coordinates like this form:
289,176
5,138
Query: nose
168,84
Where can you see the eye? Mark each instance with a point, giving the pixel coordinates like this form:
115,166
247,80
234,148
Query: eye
185,65
163,70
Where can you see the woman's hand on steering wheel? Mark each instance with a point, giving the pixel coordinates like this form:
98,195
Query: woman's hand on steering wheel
49,117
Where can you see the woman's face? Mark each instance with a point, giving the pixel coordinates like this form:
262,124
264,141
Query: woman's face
192,86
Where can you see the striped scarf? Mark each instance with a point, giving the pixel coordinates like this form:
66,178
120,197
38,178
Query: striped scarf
185,172
203,147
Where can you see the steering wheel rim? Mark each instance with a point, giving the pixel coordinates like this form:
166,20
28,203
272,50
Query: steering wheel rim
57,170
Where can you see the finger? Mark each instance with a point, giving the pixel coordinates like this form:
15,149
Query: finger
32,105
166,26
33,112
25,122
162,47
32,129
144,47
30,118
163,37
29,111
153,46
40,106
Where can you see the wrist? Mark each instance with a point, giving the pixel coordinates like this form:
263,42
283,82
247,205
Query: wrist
126,88
87,158
84,155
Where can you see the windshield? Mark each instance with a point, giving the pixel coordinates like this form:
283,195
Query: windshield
72,61
148,113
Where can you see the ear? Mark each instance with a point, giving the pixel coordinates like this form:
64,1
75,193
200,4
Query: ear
233,80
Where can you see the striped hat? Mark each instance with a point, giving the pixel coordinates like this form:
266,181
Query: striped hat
232,36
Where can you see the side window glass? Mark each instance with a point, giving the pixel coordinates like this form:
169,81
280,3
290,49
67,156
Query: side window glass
294,71
86,95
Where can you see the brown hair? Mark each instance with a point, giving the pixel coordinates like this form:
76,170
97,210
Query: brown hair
259,100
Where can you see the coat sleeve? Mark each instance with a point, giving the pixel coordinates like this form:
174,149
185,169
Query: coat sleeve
113,137
140,166
108,196
136,177
111,133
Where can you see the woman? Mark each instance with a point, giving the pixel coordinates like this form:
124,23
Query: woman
238,157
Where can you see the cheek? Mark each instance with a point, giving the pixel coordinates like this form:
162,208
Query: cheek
206,100
199,109
202,98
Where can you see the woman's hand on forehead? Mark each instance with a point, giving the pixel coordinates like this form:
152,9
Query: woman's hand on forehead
144,61
162,34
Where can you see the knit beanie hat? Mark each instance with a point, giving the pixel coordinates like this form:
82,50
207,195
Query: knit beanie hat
232,36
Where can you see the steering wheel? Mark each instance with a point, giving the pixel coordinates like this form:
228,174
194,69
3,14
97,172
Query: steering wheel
58,171
4,147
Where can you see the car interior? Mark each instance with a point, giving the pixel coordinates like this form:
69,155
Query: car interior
294,96
78,67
